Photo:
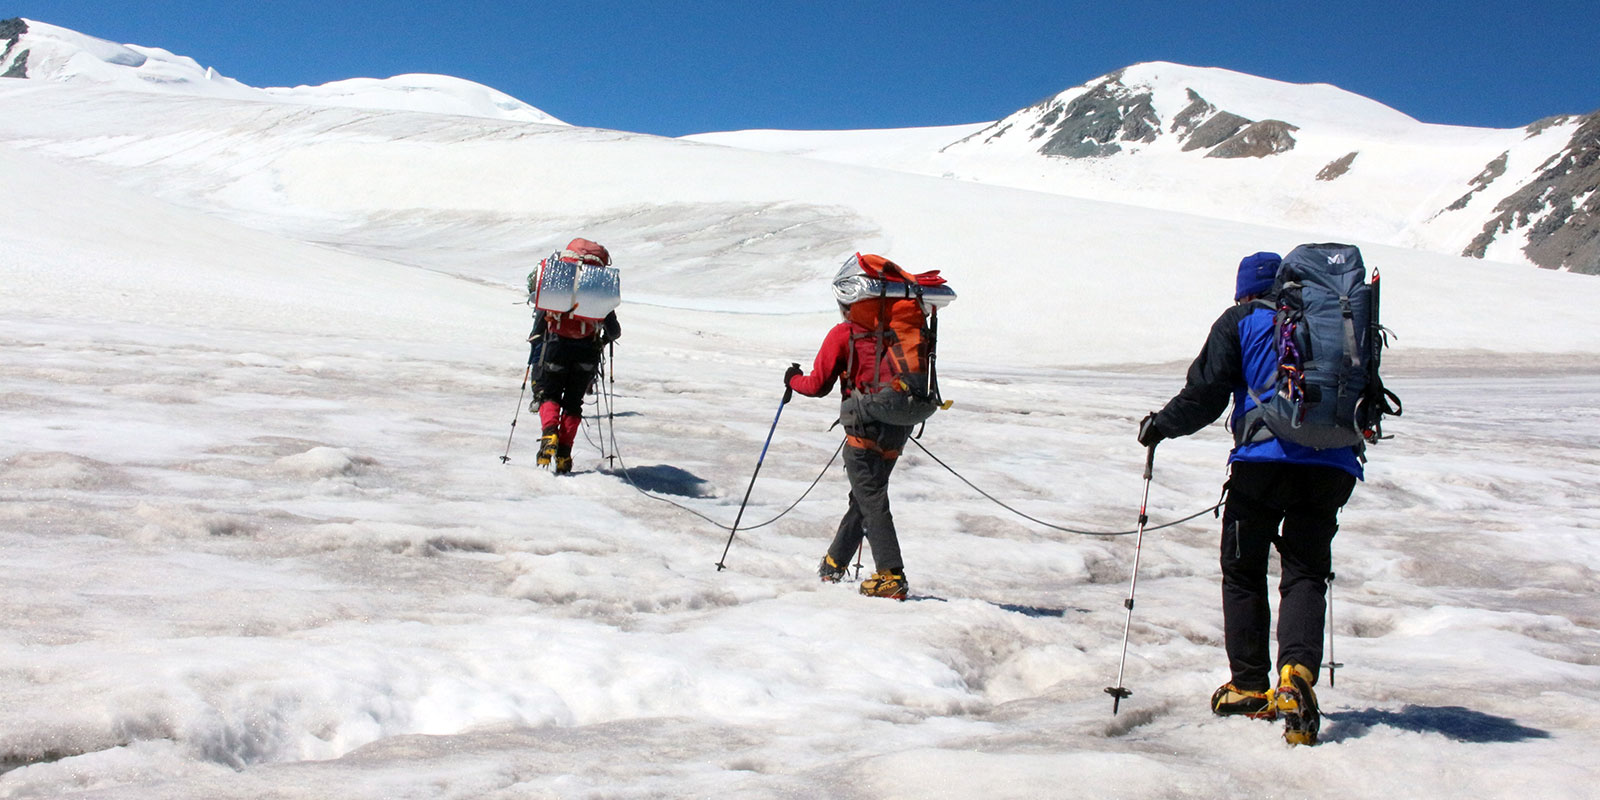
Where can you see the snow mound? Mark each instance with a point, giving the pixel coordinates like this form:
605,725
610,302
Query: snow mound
53,53
324,462
437,94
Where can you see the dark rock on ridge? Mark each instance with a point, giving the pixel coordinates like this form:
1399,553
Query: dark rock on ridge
11,30
1220,128
1337,167
1493,170
1560,208
1257,140
19,67
1192,115
1093,123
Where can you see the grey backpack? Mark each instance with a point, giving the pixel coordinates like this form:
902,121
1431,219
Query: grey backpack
1327,392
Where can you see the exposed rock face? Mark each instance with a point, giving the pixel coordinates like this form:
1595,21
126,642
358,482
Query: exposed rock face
1560,208
1337,167
11,31
1257,140
1192,115
1097,123
1220,128
1495,169
19,67
1093,123
1540,126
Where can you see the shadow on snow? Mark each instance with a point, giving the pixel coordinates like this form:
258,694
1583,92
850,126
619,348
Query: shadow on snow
1025,610
1456,722
666,479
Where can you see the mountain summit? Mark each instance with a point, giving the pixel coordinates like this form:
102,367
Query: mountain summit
1240,116
39,51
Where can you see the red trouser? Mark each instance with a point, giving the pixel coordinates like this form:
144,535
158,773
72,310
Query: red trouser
565,426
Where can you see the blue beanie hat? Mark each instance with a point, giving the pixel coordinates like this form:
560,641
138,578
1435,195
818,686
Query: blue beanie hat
1256,273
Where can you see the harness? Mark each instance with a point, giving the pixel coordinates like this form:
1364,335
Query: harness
863,443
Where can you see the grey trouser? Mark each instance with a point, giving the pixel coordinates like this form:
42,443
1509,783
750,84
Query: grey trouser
868,468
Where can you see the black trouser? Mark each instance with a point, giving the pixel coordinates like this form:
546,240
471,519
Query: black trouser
1305,500
565,372
868,515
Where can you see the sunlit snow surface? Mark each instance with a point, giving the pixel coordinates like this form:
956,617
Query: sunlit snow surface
261,363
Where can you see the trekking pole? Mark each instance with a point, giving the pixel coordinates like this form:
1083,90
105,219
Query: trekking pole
1118,692
1332,665
787,394
611,400
529,371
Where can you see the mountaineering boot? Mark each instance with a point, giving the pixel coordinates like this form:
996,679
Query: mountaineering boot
1229,700
830,571
563,459
547,448
889,583
1295,700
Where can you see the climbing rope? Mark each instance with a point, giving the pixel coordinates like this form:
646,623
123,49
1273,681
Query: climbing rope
1050,525
606,399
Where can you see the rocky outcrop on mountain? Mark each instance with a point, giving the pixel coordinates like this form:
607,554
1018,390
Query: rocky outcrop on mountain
1337,167
1114,114
1493,170
1192,115
1100,121
1224,134
1094,122
11,31
18,68
1218,129
1258,140
1559,209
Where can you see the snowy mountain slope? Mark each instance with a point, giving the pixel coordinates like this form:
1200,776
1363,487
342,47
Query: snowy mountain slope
1250,149
139,259
487,198
40,51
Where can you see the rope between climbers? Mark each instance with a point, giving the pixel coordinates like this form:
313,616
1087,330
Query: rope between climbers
626,476
1051,526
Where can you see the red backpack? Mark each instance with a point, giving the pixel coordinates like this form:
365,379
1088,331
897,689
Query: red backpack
576,288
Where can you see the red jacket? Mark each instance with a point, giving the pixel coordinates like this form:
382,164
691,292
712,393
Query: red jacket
833,358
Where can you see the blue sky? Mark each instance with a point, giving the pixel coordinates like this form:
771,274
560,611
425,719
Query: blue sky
689,67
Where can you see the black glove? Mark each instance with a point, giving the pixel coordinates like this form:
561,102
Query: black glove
1149,434
788,375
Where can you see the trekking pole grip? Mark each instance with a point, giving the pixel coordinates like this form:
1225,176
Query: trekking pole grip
1149,461
788,391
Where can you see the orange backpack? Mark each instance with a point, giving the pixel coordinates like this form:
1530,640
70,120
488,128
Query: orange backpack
891,370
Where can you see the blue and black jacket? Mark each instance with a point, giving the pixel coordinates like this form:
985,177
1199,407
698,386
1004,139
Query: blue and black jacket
1238,353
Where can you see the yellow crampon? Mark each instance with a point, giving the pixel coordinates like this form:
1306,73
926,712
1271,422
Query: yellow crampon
1297,704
